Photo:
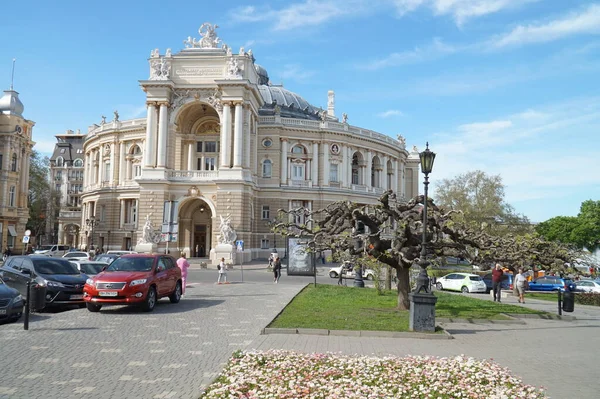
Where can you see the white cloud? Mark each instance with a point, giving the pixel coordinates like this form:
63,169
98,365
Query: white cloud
389,113
296,72
584,21
432,51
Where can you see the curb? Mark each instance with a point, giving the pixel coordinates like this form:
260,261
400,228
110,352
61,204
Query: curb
480,321
549,316
356,333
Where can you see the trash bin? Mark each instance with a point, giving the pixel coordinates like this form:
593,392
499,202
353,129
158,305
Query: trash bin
37,297
568,303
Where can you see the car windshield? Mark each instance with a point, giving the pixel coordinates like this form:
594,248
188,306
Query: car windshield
44,248
131,265
92,268
106,258
54,266
474,278
75,254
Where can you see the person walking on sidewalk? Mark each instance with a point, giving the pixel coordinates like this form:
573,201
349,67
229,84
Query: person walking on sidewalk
520,284
222,272
497,275
276,269
183,264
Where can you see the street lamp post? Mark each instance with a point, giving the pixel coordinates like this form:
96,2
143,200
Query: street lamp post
422,307
91,223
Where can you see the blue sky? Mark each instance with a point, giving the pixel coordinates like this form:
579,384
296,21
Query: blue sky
510,87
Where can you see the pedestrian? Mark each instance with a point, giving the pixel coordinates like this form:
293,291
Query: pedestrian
183,264
497,275
323,257
271,259
276,269
222,272
520,284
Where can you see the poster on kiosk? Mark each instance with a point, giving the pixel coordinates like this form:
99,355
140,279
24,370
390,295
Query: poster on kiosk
301,262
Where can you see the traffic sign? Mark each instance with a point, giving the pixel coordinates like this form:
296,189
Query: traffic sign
27,233
26,239
239,245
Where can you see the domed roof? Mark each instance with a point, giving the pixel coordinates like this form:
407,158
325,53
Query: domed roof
291,105
10,103
263,76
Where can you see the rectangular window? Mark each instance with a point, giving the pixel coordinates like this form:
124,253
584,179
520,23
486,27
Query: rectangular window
299,218
199,146
57,188
11,196
267,168
10,239
298,172
130,211
264,244
333,172
107,172
199,164
210,163
266,212
138,170
210,146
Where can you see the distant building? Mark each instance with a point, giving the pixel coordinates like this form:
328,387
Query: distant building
66,177
222,146
15,150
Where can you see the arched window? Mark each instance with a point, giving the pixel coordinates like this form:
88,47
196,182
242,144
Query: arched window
13,166
267,168
60,161
78,163
298,149
11,196
135,162
355,170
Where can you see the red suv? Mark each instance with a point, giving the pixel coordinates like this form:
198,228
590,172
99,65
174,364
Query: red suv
136,279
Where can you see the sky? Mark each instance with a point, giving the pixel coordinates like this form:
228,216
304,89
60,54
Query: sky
509,87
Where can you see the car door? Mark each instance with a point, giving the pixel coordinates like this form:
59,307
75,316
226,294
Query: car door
11,274
26,274
172,271
450,283
162,276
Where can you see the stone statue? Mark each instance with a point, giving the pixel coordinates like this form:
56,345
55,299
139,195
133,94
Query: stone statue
103,120
148,234
116,113
215,100
402,140
242,51
233,68
415,149
228,234
324,115
209,36
160,69
344,118
168,53
154,53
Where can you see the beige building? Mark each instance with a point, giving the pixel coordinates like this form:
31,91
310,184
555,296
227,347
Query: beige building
15,150
220,141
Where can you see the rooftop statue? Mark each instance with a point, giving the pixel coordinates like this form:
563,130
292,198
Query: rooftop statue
209,37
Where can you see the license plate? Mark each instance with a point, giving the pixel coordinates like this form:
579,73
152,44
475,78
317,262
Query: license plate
108,293
2,311
72,297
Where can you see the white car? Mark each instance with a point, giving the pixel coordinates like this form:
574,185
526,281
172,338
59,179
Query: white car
89,267
348,272
463,282
587,286
76,255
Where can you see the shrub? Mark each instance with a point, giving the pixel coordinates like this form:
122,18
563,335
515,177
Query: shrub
587,298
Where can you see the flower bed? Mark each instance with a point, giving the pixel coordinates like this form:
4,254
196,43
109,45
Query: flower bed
284,374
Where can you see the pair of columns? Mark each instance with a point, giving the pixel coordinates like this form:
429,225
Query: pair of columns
227,141
155,153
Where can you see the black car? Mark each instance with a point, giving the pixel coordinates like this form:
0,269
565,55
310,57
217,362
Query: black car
506,284
11,303
64,282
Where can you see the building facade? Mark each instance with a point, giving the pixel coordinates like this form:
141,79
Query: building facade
220,141
15,149
66,178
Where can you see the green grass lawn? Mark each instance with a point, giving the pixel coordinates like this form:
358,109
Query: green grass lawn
348,308
550,296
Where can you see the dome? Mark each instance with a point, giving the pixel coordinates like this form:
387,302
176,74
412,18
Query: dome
290,104
10,103
263,76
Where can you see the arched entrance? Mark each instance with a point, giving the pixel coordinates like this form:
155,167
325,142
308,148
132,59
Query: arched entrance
195,227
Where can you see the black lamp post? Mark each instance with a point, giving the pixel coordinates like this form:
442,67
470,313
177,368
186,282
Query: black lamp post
427,158
91,223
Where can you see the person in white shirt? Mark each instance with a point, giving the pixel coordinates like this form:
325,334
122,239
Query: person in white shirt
222,272
520,283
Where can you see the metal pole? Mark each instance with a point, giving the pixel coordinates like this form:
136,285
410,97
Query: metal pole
559,303
27,304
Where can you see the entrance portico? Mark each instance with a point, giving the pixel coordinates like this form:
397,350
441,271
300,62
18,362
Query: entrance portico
196,221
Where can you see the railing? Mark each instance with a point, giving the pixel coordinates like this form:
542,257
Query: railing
113,125
301,183
360,188
192,175
70,214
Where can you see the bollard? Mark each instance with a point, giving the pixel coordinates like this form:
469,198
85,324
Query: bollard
559,303
26,320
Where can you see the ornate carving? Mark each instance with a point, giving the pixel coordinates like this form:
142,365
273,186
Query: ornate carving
116,113
215,100
208,39
160,68
323,115
402,141
103,120
154,53
344,118
234,69
149,236
107,149
168,53
228,234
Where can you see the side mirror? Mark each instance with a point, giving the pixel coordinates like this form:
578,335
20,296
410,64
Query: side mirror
160,269
26,271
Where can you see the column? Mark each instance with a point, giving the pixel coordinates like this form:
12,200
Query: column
128,174
137,212
315,164
349,167
247,136
60,234
7,155
191,155
325,149
256,143
121,176
111,176
163,124
101,176
383,181
225,136
149,152
121,214
368,170
238,143
23,178
284,164
395,177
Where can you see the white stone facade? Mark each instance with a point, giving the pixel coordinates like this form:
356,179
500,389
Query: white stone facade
217,142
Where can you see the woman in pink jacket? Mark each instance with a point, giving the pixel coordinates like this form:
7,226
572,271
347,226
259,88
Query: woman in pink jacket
183,265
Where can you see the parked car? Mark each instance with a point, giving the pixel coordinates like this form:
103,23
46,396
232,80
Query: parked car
11,303
64,283
464,282
348,271
77,255
587,286
135,279
505,284
106,258
52,250
89,267
549,283
120,252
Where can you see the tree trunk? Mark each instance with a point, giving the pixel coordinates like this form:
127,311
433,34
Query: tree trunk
403,288
388,277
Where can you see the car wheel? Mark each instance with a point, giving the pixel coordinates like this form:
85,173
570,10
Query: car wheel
150,302
92,307
175,297
465,290
82,305
332,274
439,286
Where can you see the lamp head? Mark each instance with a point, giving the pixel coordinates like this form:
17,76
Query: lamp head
427,158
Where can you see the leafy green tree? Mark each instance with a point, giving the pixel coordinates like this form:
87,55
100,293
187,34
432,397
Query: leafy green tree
480,200
559,228
41,195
